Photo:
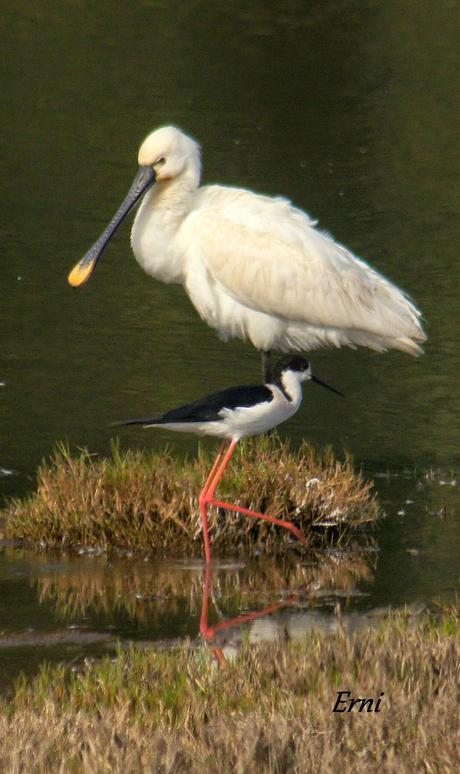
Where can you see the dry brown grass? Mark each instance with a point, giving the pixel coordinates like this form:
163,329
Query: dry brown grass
139,500
268,711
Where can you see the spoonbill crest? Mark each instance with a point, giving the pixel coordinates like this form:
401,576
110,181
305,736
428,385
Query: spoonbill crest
254,267
236,413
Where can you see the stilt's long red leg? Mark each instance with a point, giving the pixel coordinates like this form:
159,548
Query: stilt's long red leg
220,471
220,453
207,498
256,515
202,501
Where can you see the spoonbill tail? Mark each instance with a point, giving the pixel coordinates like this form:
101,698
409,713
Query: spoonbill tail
254,267
234,414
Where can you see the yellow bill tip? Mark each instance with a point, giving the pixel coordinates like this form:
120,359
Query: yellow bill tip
80,274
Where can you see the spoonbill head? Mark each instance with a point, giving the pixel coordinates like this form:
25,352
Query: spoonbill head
235,413
171,153
254,267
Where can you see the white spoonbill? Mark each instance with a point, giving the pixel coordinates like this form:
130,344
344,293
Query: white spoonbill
236,413
254,267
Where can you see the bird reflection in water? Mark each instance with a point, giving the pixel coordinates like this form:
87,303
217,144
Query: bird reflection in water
209,633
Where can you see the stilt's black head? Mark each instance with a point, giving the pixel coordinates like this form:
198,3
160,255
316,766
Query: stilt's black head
295,363
298,365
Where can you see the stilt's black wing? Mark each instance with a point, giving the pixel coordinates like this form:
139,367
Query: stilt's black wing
139,421
208,409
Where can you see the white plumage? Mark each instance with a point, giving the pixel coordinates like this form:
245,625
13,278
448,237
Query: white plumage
254,267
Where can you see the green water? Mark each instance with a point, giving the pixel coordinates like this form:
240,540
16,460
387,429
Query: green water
348,108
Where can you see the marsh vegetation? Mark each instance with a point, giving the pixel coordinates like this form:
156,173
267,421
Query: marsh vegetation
269,710
148,500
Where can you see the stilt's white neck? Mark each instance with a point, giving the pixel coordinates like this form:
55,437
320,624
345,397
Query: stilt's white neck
292,386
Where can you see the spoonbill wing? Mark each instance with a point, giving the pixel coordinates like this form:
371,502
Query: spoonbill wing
269,256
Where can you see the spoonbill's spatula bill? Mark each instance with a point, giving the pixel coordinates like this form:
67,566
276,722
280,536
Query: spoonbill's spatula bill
254,267
234,414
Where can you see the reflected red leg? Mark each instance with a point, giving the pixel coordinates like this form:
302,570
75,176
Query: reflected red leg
205,602
210,632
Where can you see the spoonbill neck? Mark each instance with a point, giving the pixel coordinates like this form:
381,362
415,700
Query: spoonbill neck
156,225
169,190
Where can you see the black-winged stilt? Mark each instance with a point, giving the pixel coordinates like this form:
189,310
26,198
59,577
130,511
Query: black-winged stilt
236,413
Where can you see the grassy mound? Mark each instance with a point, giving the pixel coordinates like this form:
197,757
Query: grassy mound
149,500
270,710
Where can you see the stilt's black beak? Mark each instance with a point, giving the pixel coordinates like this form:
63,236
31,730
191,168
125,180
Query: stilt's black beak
81,273
328,387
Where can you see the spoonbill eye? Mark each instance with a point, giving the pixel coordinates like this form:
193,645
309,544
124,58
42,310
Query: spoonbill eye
159,162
